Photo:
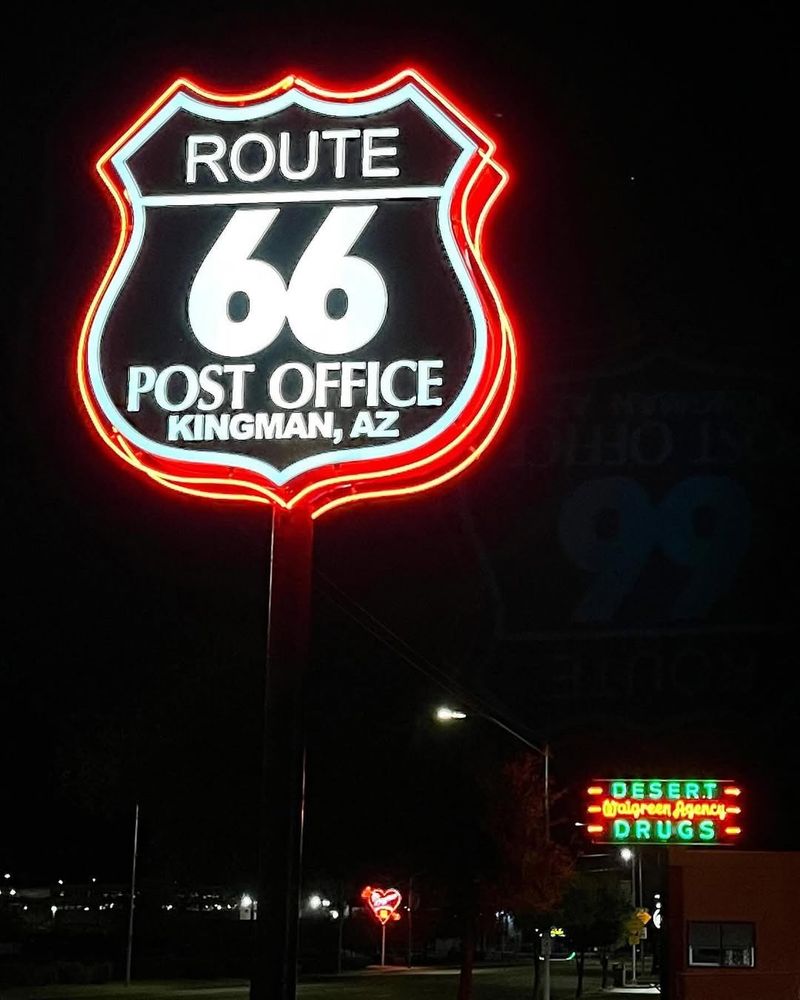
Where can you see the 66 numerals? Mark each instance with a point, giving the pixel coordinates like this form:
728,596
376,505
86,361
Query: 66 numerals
326,265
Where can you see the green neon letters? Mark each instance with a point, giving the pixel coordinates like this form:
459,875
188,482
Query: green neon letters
657,789
664,811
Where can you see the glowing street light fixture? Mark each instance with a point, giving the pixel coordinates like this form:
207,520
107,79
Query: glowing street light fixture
315,902
445,714
626,854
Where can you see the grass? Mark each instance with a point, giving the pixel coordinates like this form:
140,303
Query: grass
423,984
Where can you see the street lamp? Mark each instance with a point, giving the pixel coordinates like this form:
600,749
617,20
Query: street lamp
446,714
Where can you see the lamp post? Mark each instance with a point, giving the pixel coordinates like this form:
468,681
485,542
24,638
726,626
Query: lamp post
634,858
446,714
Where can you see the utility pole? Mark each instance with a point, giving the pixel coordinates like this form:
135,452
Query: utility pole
342,913
410,918
641,903
548,939
133,898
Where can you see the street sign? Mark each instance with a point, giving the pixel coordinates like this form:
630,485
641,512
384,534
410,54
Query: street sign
635,929
298,311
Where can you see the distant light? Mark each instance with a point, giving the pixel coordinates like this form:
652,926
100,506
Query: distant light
61,881
315,902
24,907
12,892
626,854
445,714
632,177
54,910
326,902
7,875
94,880
334,914
86,909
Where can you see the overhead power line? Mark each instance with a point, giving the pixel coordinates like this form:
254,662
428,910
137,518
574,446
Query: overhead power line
479,703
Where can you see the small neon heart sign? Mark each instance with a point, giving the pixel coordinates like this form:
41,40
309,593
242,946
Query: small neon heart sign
384,903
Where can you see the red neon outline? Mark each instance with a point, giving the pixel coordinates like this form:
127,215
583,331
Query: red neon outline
423,468
385,907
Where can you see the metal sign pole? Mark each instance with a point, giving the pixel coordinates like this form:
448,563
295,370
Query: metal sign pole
274,975
383,945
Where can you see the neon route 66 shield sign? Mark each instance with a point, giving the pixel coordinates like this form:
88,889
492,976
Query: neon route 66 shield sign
298,310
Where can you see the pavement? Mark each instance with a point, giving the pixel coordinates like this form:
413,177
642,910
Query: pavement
629,991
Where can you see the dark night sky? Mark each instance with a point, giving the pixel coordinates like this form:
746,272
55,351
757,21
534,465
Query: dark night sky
648,215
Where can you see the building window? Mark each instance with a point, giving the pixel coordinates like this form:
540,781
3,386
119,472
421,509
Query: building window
722,945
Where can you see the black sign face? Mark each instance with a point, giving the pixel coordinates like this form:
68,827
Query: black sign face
294,293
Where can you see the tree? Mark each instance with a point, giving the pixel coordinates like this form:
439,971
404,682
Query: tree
532,871
490,849
594,913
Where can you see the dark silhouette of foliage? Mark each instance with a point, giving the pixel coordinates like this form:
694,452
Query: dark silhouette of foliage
594,912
